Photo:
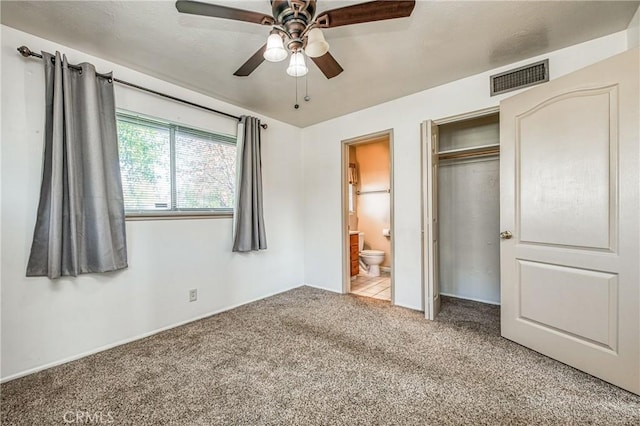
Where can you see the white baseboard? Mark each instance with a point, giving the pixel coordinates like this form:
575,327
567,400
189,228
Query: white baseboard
455,296
385,269
323,288
134,338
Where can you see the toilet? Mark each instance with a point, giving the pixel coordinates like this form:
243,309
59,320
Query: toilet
371,258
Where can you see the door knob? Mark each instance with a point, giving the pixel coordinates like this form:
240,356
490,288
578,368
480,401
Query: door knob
506,235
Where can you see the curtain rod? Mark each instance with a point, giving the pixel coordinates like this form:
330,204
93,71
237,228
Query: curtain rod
26,52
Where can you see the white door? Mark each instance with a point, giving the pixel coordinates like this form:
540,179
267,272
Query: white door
430,225
569,188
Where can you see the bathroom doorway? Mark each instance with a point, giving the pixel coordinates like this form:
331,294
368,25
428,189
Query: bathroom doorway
367,216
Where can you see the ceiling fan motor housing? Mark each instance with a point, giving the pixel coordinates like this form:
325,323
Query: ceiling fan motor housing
286,10
294,16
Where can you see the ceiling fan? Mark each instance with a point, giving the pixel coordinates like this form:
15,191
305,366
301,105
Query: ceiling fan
295,22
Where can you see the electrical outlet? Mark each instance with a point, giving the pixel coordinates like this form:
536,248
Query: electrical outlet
193,295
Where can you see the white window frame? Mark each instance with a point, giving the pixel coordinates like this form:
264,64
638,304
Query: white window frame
173,212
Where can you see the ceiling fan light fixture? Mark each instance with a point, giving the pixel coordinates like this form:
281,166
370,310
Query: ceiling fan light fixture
275,51
316,44
297,67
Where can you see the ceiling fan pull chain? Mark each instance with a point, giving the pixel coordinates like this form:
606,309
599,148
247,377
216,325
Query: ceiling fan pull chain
296,106
306,88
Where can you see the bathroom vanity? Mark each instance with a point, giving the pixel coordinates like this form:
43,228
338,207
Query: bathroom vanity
353,253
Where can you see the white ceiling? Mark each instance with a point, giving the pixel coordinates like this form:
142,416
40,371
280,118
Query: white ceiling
442,41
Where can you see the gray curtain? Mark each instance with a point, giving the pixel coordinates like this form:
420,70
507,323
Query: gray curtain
248,221
80,225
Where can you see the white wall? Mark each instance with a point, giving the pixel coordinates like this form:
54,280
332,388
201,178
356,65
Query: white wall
633,31
321,161
45,322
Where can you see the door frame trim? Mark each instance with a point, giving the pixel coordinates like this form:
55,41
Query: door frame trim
344,205
467,115
426,237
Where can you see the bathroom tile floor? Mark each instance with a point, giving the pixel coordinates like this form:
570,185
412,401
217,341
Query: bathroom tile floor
376,287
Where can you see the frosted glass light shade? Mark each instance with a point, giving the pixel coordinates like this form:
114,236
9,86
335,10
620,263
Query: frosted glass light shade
297,67
275,51
316,44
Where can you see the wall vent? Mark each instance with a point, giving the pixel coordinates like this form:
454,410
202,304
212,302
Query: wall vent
517,78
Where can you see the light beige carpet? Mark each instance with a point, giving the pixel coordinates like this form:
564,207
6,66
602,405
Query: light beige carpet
310,357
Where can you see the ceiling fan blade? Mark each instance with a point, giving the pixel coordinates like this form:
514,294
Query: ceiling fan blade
252,63
328,65
217,11
365,12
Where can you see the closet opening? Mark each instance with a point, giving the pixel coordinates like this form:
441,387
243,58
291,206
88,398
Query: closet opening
462,227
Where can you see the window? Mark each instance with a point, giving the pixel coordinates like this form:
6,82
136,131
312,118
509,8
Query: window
170,169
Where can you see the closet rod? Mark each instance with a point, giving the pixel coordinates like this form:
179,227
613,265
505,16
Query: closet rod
26,52
380,191
469,154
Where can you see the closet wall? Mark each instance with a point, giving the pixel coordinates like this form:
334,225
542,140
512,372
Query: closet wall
469,211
